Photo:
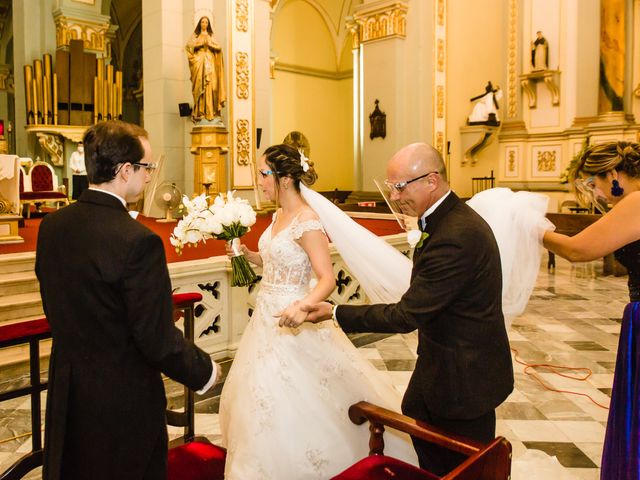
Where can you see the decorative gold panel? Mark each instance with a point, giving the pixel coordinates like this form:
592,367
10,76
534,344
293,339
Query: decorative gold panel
440,101
382,22
242,15
440,10
546,161
440,55
243,142
512,61
93,34
242,75
440,142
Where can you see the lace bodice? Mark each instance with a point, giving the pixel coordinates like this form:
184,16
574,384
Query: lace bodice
285,264
629,256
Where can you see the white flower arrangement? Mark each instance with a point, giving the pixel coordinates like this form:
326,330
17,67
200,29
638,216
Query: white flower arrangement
225,219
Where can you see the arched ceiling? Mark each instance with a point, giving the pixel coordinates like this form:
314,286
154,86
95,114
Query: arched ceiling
334,14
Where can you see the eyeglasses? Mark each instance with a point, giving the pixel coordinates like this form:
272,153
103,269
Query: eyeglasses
400,186
148,166
586,183
265,173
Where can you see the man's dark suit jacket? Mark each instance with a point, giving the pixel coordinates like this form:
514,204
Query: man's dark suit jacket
454,300
107,295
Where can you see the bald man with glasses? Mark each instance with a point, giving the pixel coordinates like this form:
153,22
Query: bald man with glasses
107,295
463,371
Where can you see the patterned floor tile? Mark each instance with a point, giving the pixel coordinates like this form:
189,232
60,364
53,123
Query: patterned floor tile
568,454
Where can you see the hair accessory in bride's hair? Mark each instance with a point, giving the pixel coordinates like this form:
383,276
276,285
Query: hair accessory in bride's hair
304,161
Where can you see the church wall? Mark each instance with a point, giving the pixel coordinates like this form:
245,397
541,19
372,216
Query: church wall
321,109
476,53
311,94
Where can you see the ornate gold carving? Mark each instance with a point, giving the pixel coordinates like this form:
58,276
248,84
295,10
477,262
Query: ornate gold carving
440,10
511,162
354,30
440,142
242,15
272,67
243,142
52,144
93,34
546,161
242,75
6,78
440,101
382,22
440,55
512,60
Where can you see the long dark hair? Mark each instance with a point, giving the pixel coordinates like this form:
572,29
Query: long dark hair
198,29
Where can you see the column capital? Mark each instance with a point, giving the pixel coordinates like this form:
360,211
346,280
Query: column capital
380,20
92,29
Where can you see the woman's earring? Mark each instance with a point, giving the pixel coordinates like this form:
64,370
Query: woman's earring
616,189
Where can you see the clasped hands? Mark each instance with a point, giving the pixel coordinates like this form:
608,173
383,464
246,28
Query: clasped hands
299,312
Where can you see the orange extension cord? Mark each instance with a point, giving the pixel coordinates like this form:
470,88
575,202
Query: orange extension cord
557,369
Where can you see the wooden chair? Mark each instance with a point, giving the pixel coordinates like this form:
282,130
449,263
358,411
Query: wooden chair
484,462
40,186
191,457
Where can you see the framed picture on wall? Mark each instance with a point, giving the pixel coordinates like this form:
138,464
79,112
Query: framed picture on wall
546,161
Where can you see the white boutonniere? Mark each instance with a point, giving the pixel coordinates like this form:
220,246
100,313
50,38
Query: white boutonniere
416,238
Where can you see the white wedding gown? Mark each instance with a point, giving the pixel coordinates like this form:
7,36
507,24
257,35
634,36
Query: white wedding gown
283,411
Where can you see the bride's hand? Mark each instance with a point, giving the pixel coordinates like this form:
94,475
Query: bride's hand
241,247
292,316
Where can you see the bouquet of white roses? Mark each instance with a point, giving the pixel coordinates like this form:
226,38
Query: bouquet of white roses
226,219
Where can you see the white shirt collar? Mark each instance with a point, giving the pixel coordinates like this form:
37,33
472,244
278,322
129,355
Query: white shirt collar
433,207
124,203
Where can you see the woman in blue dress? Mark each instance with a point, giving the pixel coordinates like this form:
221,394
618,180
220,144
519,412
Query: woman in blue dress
609,175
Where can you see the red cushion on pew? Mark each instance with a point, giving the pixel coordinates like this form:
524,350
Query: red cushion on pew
196,461
19,330
48,195
181,300
380,467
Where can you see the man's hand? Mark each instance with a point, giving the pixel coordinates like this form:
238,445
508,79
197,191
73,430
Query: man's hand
318,312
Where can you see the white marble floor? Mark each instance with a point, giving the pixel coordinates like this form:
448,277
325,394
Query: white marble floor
573,319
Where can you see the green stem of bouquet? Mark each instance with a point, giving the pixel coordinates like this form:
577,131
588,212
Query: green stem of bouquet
242,275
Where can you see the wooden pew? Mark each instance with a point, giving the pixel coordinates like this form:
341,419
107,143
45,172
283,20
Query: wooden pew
573,223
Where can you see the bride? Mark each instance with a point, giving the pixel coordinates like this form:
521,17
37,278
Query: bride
283,411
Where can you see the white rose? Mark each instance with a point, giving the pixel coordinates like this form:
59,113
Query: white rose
246,219
214,226
225,217
413,237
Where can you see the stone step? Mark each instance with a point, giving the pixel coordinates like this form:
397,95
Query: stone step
20,305
17,262
18,282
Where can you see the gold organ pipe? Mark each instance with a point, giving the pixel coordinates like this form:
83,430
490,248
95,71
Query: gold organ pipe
55,99
28,80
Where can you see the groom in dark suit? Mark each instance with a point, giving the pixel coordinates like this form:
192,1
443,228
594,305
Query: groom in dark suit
463,371
107,295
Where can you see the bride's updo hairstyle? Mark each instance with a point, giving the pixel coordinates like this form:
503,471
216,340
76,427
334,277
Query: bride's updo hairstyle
604,157
286,161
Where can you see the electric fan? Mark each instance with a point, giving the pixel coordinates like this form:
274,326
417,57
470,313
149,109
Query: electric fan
167,197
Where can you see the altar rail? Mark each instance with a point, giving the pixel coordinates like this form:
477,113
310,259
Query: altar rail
223,313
